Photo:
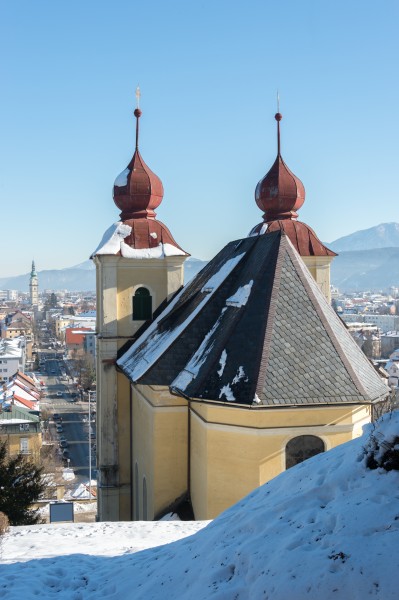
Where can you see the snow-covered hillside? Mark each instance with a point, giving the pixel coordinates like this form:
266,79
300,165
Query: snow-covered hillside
326,529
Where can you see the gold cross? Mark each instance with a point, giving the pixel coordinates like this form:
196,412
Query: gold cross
138,94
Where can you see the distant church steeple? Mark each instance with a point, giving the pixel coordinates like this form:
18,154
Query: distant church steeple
34,286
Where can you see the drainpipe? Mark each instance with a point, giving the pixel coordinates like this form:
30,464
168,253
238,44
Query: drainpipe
189,449
176,392
131,452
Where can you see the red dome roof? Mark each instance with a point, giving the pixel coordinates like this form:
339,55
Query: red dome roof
302,237
148,233
280,193
137,190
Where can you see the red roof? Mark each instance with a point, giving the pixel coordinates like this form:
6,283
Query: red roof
26,403
302,237
148,233
73,335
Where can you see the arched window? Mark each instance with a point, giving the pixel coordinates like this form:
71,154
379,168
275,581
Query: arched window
302,447
144,499
142,305
136,493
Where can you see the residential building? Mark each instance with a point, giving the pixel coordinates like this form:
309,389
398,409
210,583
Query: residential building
21,430
74,339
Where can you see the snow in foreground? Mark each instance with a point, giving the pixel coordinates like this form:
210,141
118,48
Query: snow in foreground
326,529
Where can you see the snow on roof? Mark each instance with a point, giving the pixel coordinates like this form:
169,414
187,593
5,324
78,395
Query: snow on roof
153,343
240,298
113,243
191,369
325,529
14,421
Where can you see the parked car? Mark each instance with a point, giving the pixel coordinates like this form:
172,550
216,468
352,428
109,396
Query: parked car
59,394
64,443
57,417
60,428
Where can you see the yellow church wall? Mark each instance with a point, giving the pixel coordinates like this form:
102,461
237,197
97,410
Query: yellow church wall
160,440
262,418
238,450
162,277
319,267
117,279
124,449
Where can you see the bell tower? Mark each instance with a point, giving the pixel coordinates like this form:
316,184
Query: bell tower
34,287
138,266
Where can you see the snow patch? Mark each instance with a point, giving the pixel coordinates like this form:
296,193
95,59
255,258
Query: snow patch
254,232
193,366
227,391
240,298
240,375
112,238
222,362
140,253
113,242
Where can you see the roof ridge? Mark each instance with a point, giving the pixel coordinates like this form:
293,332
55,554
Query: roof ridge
315,295
265,354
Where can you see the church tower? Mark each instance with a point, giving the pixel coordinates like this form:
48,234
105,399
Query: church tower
280,194
34,287
138,267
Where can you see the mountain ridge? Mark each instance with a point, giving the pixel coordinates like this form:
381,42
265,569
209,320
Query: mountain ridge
367,260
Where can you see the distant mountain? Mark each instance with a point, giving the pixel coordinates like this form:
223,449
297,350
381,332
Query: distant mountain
385,235
373,270
73,279
367,260
192,266
80,278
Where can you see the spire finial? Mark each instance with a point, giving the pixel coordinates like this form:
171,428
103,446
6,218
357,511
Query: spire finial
278,116
137,114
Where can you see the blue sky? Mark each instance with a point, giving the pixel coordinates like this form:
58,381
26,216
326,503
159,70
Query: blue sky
208,72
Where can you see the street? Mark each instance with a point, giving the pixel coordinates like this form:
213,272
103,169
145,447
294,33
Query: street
61,398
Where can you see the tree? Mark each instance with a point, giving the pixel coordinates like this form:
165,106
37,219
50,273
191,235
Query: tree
85,370
21,484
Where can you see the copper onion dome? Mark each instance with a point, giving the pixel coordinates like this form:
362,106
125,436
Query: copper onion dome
137,190
280,193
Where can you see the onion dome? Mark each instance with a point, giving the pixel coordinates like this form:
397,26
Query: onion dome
280,193
137,190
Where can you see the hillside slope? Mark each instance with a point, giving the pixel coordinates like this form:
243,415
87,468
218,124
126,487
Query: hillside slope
327,528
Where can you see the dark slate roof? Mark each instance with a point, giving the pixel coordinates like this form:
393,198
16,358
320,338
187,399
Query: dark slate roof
253,328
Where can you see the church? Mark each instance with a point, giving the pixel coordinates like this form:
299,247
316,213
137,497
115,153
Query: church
208,391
